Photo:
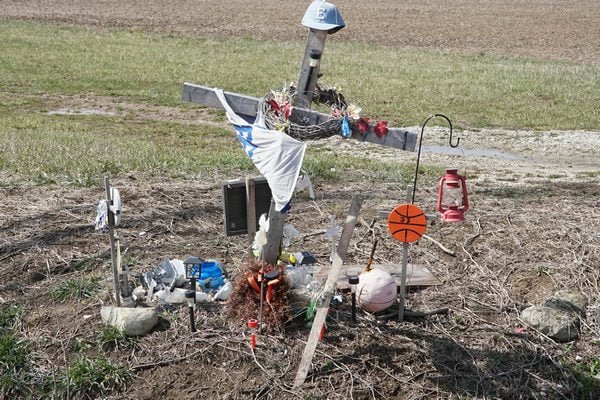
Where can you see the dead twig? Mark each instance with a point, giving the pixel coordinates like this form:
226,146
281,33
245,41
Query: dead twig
166,362
441,246
471,239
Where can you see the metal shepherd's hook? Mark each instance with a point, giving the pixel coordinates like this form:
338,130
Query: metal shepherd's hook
421,142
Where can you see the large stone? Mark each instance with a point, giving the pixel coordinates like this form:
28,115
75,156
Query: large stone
131,321
560,325
568,300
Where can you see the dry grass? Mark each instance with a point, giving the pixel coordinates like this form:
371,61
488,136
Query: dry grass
473,351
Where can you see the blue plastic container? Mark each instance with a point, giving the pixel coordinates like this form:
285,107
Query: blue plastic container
212,269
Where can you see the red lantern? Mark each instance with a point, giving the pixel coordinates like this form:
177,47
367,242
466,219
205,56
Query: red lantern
452,199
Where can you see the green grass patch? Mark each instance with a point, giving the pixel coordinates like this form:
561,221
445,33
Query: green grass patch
80,288
588,377
14,354
403,86
10,317
14,364
80,150
110,338
90,377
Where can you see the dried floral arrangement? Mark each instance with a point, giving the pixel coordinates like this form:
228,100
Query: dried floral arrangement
345,118
244,303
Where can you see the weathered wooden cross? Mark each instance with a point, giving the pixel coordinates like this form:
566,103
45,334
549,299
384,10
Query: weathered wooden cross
322,18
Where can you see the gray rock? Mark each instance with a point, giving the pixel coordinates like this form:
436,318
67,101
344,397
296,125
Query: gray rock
131,321
568,300
560,325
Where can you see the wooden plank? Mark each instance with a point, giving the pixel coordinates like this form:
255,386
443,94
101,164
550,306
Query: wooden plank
328,290
247,106
309,76
416,275
241,104
397,137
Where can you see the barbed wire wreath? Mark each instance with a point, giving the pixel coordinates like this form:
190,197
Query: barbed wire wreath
345,118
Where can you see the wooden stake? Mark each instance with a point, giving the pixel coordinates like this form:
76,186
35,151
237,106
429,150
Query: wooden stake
111,234
370,260
262,291
403,281
250,212
306,86
328,290
404,266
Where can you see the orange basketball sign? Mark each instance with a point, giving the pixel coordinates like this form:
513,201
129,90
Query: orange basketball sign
407,223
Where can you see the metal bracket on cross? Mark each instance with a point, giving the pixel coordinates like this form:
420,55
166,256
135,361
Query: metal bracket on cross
322,18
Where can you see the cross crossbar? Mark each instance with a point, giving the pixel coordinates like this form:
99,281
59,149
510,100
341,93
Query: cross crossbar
247,106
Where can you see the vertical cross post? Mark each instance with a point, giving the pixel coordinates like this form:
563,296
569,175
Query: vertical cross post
322,18
270,251
309,71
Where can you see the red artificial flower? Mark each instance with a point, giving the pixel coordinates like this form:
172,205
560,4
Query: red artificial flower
287,111
381,129
273,105
363,126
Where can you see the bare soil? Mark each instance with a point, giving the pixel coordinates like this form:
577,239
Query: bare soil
555,29
533,228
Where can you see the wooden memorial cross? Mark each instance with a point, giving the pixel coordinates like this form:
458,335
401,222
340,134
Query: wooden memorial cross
322,18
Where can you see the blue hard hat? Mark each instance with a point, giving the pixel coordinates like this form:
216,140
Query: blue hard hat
323,16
